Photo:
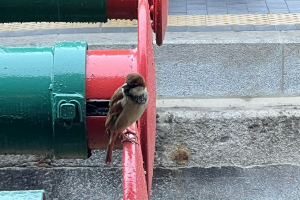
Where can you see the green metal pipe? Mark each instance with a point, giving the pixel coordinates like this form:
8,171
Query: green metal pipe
52,11
42,95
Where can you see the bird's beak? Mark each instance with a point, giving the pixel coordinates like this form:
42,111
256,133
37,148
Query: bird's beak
125,86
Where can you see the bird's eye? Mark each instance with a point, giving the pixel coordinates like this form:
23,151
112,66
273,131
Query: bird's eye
132,84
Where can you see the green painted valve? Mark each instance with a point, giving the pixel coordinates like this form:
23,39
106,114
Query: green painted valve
53,11
42,94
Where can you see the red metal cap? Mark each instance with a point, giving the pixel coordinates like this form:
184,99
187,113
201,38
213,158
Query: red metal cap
128,9
160,20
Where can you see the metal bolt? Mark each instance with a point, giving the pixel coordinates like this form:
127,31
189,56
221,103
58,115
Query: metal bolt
67,111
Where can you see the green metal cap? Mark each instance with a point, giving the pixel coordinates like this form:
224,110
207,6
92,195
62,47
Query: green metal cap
22,195
68,93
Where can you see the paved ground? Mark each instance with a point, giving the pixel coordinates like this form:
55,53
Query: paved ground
204,7
187,16
226,183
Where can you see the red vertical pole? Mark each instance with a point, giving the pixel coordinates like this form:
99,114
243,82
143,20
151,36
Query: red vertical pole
145,63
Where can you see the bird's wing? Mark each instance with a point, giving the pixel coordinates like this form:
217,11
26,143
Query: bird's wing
115,108
118,95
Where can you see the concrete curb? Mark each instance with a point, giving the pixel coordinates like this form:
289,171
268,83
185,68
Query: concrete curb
207,133
193,137
99,39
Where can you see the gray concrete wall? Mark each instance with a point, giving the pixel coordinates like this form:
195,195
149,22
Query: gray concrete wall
205,65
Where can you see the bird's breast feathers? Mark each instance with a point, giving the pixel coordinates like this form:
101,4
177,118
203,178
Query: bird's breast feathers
132,110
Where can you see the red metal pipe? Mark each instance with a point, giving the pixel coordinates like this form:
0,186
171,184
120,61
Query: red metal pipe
105,72
122,9
134,183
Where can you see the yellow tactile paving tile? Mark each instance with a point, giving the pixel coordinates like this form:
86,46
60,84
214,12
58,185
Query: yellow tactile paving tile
218,20
44,25
173,20
186,20
120,23
245,19
289,18
87,25
6,27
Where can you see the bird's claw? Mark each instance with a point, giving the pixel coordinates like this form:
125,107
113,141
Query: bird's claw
129,130
126,136
126,139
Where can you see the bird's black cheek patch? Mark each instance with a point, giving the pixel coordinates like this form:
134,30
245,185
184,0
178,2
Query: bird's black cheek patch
140,99
126,92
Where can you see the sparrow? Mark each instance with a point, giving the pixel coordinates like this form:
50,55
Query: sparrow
126,106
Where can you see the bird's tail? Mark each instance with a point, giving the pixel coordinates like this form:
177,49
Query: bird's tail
110,147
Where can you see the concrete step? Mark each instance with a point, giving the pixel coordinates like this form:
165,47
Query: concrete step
205,149
228,132
210,133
